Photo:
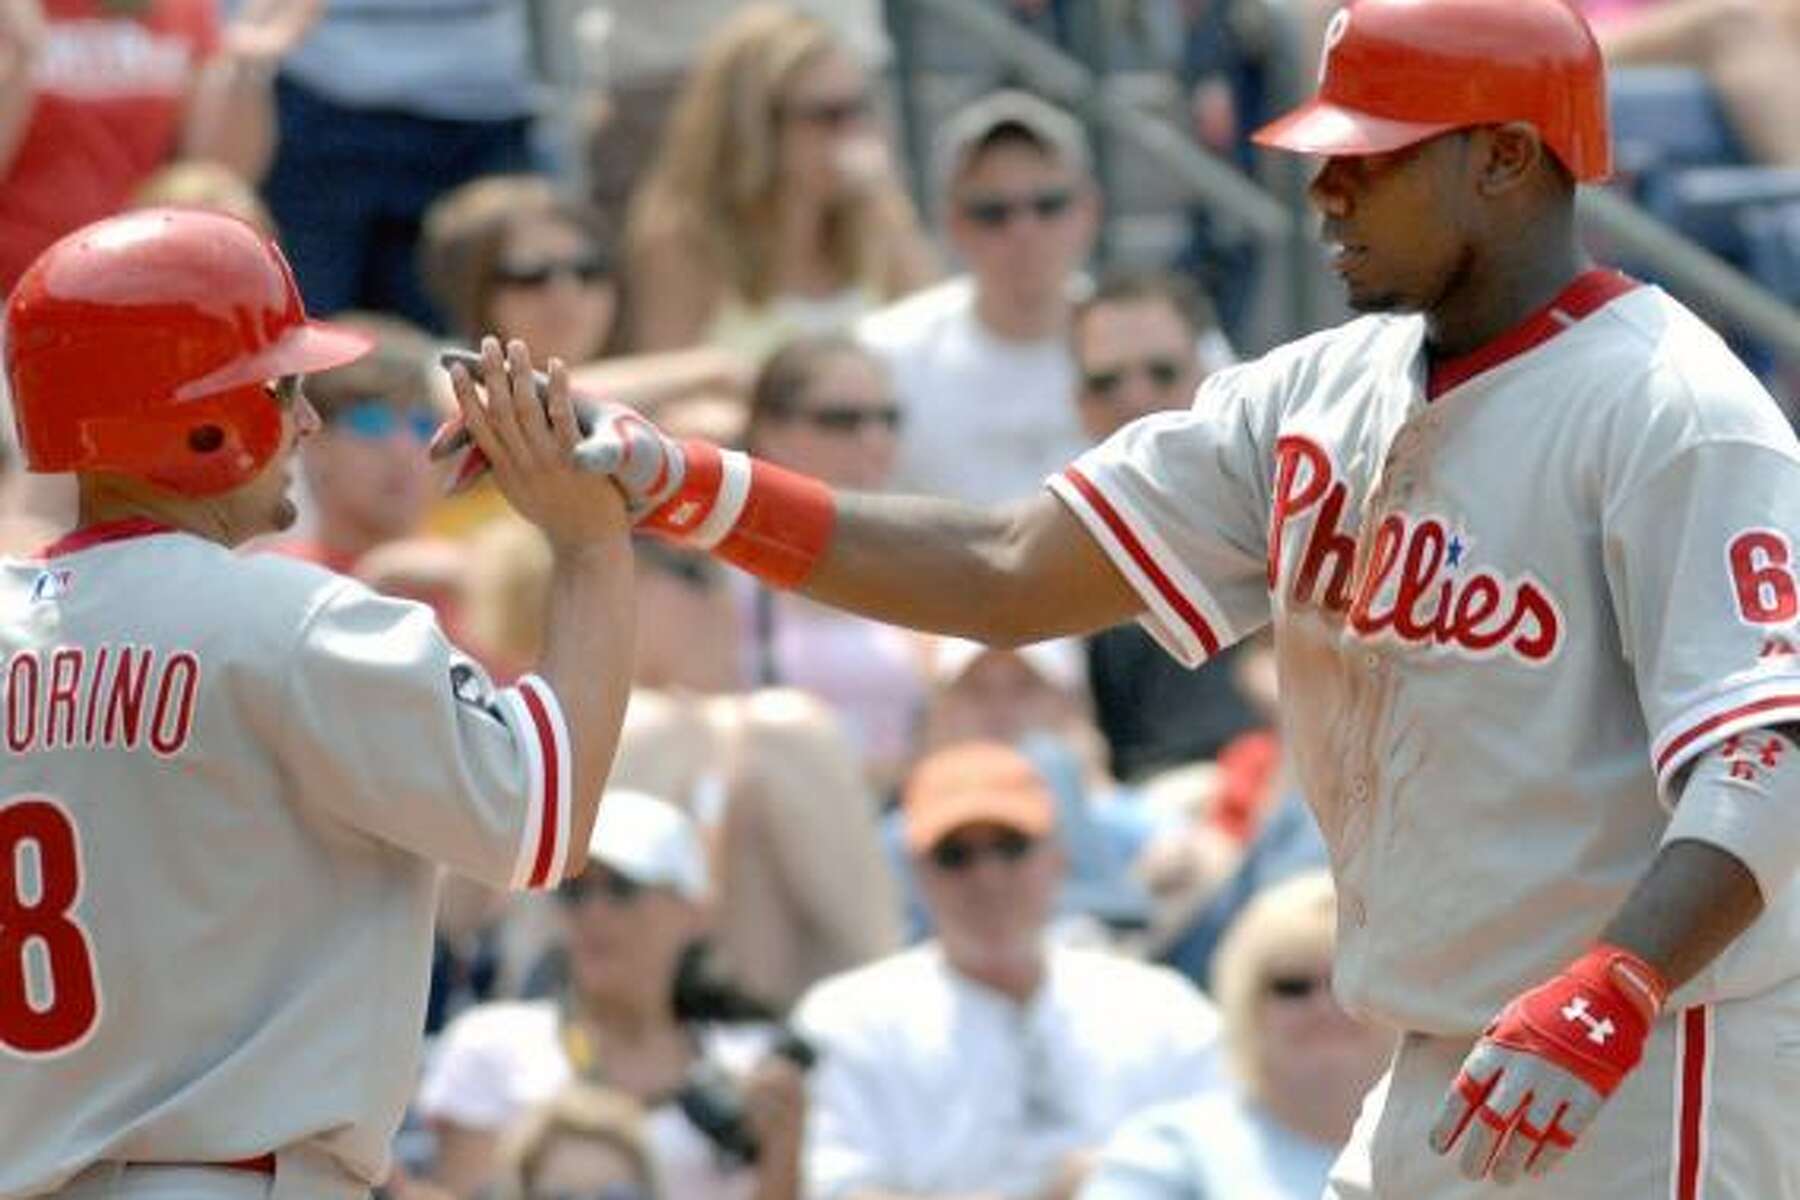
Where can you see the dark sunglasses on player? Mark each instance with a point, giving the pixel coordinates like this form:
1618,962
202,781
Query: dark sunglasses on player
586,269
996,212
960,853
376,420
1163,373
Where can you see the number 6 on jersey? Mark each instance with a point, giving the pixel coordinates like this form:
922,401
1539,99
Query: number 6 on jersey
57,1010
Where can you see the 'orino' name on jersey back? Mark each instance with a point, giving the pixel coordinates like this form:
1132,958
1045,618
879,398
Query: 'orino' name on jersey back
1510,603
119,697
228,785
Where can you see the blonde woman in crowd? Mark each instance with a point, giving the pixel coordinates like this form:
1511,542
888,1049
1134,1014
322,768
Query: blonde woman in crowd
773,206
1300,1065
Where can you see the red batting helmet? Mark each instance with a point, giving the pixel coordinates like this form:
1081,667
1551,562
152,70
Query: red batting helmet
142,344
1395,72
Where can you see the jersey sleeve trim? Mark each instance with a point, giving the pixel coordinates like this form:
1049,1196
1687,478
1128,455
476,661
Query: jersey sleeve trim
1770,702
543,735
1141,558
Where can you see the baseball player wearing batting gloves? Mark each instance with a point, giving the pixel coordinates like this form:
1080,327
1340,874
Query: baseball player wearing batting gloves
1525,531
231,782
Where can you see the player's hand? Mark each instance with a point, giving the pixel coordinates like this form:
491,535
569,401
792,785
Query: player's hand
670,487
266,30
530,444
1546,1064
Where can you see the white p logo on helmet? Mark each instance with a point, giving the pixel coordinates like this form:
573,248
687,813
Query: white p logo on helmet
1334,33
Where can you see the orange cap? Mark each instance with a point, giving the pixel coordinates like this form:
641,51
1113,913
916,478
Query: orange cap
975,783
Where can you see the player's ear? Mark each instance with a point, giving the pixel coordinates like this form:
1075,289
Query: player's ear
1506,155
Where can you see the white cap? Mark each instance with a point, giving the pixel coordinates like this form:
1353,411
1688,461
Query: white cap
649,841
1059,662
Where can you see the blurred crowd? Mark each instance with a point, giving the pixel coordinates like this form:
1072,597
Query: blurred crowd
867,914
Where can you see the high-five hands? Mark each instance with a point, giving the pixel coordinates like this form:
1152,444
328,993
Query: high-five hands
1546,1064
523,426
771,522
648,466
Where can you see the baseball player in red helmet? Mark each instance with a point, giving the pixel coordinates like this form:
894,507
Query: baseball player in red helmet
1525,530
230,782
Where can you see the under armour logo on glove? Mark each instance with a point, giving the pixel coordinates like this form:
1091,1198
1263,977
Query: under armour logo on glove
1598,1030
1548,1062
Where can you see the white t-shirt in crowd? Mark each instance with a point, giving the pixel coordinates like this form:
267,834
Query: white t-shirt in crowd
497,1061
986,419
928,1082
1219,1146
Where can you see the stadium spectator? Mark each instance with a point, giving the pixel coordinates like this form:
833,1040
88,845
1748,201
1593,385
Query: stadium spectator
803,890
95,95
367,476
382,109
772,207
981,362
1035,698
1138,349
517,256
1300,1067
988,1062
647,51
202,183
513,255
822,405
1749,49
617,1022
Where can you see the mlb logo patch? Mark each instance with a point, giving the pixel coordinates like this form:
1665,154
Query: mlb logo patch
52,585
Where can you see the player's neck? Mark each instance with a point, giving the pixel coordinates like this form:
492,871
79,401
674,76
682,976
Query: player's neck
102,502
1495,293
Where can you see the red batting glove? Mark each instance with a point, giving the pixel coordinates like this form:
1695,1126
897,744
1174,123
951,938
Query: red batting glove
1547,1063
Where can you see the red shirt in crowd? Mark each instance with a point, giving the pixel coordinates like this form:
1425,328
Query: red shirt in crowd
112,84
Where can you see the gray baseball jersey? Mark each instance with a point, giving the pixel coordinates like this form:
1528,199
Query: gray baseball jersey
228,783
1510,600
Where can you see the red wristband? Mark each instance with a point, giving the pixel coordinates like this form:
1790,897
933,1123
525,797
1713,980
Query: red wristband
785,526
770,521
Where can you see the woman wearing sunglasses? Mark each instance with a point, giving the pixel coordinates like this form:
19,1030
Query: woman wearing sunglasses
772,207
616,1019
1301,1067
822,405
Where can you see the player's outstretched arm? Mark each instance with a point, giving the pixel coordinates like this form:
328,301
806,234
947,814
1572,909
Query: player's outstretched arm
1002,576
590,627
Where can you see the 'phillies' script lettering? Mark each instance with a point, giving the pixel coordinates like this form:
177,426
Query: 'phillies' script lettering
87,697
1413,587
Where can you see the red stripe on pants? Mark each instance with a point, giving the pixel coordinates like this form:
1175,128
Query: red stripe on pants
1691,1071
